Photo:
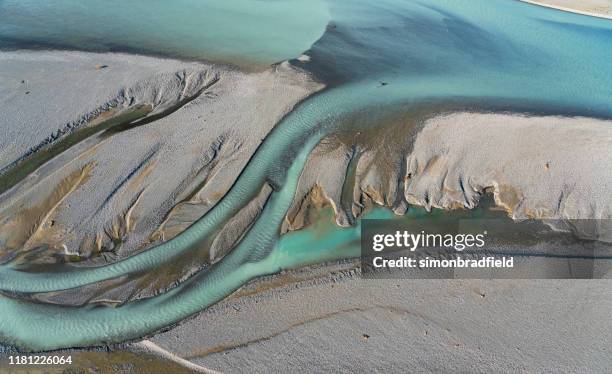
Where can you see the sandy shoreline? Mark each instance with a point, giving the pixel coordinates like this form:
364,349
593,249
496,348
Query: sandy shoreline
425,325
203,124
115,193
111,196
540,167
390,324
593,8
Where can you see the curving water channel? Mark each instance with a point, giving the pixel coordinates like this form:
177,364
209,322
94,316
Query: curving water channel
376,56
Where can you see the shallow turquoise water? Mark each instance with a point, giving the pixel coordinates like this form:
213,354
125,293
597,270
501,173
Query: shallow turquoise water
499,51
485,53
239,31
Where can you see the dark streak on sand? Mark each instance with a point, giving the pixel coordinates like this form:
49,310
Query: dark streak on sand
32,162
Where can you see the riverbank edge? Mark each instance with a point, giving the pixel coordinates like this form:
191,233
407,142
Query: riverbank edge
568,9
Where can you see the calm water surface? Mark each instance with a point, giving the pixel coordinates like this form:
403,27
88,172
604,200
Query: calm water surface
489,53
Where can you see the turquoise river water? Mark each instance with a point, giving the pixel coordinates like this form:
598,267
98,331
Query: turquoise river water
494,54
